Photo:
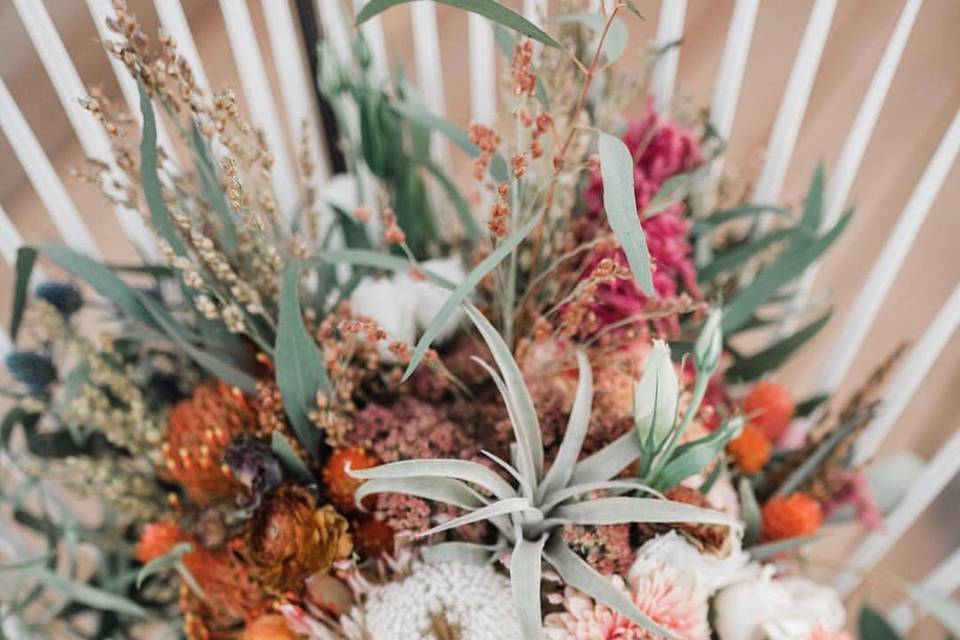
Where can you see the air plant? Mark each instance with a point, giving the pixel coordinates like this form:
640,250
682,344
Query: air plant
529,514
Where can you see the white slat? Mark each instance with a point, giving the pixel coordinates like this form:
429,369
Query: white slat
483,82
908,378
335,28
426,49
533,10
941,469
69,87
10,239
256,89
943,580
794,103
6,345
841,179
890,260
295,81
372,31
42,176
174,22
669,29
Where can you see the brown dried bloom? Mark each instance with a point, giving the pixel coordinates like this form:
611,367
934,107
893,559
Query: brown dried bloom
524,81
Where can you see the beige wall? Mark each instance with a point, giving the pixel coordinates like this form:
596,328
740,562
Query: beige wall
923,99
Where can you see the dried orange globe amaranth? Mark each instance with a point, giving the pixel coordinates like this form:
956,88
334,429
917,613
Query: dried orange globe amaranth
751,449
339,485
769,406
792,516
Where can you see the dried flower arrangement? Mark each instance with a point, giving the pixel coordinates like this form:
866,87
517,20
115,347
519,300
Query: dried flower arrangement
404,418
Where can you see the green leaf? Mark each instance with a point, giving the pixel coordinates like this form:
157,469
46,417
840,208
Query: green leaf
609,461
772,357
736,256
212,191
289,459
505,39
417,114
464,470
300,369
724,216
460,205
26,258
563,464
873,626
459,552
85,593
509,506
615,43
526,564
498,168
676,189
164,563
788,266
750,513
813,204
460,293
771,549
690,458
620,205
487,8
942,607
809,405
150,179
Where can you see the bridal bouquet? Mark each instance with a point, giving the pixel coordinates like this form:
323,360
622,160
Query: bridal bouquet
513,404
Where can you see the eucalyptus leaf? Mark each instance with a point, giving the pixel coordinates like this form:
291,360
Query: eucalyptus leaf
86,594
164,563
620,205
755,366
212,191
289,459
769,550
487,8
871,625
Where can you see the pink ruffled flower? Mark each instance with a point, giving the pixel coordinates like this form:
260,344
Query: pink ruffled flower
662,150
855,490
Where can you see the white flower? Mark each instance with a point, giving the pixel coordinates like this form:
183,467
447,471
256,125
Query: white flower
711,572
476,600
783,609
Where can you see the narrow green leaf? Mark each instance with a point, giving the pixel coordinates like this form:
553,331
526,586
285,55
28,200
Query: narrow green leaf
619,510
787,267
942,607
289,459
562,468
620,205
506,40
460,293
164,563
86,594
769,550
609,461
506,507
354,233
212,191
26,258
487,8
736,256
675,189
772,357
526,564
460,205
417,114
813,204
724,216
300,369
873,626
807,406
750,513
690,458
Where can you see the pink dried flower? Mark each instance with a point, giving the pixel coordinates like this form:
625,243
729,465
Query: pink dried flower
854,489
606,548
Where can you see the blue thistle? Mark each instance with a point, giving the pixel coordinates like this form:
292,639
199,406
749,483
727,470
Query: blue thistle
64,296
33,370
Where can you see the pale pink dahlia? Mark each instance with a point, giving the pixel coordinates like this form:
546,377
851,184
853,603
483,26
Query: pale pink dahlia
669,599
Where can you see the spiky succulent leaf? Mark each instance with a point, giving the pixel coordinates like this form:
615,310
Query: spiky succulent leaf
609,461
525,569
509,506
617,510
559,474
461,552
446,490
440,468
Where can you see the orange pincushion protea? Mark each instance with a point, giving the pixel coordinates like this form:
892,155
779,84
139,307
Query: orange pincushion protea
751,449
340,486
157,539
791,516
198,430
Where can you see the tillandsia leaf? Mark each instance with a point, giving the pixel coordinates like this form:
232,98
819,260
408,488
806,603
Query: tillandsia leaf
942,607
750,513
446,490
562,468
692,457
506,507
609,461
755,366
526,565
620,510
86,594
26,258
620,205
163,563
656,397
487,8
518,396
612,487
768,550
788,266
615,43
580,575
462,290
526,488
288,458
470,227
299,363
440,468
460,552
871,625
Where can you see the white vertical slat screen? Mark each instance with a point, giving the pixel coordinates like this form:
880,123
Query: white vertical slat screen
42,176
534,10
70,89
786,127
295,80
940,470
10,239
426,49
726,92
943,580
259,98
6,345
908,378
669,30
842,177
372,31
483,81
891,258
174,22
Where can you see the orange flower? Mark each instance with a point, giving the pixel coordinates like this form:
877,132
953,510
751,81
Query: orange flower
373,537
231,593
269,627
751,449
791,516
198,431
770,406
157,539
340,486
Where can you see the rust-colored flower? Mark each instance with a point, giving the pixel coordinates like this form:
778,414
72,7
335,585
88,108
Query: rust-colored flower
157,539
290,538
374,537
751,449
712,538
340,486
198,430
770,407
791,516
272,626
